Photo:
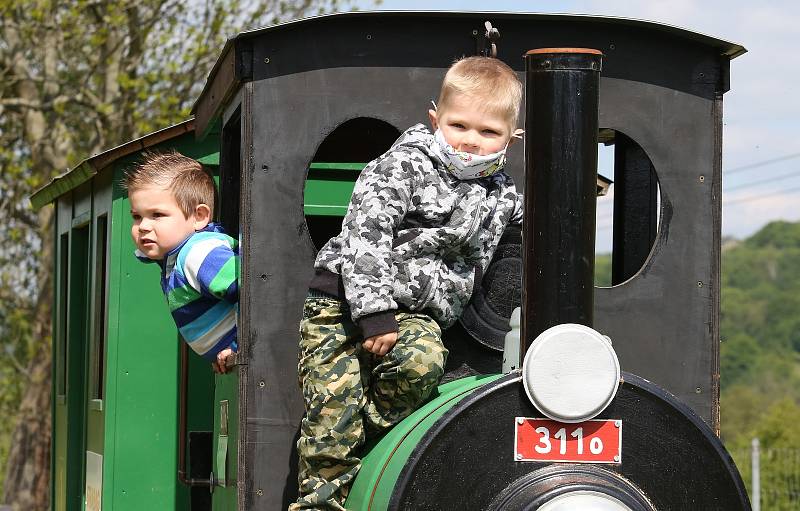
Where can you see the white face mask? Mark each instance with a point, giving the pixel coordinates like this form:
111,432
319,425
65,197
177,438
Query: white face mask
465,165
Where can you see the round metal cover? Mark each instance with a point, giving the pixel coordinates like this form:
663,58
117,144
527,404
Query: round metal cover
571,373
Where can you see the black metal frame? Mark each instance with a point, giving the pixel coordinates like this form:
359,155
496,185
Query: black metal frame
661,86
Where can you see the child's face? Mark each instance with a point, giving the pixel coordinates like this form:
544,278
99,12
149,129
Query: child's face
159,225
470,129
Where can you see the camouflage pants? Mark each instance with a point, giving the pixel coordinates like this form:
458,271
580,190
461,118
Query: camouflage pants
351,394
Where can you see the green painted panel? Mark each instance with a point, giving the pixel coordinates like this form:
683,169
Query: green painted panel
59,484
59,445
142,360
227,389
329,187
358,167
209,159
101,203
77,341
384,460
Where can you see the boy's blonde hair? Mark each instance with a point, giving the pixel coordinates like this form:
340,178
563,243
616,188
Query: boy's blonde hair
487,78
189,183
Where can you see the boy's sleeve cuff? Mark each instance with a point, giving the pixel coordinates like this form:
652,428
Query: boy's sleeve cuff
377,323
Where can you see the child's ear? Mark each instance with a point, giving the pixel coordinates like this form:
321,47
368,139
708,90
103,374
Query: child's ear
433,119
202,216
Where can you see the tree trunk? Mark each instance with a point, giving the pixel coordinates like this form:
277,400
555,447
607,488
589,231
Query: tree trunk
27,484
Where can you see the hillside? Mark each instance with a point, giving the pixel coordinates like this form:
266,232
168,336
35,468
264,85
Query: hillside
760,332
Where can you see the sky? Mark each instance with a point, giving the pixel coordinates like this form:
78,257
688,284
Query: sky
761,112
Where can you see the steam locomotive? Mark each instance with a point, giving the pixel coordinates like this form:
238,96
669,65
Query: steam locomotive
288,117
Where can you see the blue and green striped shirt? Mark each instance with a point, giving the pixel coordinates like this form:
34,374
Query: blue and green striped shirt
200,280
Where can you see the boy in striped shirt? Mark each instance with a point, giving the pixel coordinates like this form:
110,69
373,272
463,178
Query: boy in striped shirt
172,202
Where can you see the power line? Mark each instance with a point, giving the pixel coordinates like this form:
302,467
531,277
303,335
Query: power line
762,196
762,181
761,164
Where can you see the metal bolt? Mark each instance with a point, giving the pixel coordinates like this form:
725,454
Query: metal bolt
259,492
616,458
519,456
618,424
698,390
265,167
702,179
262,384
699,284
520,420
263,276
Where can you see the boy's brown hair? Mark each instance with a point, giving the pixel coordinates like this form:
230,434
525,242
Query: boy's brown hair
185,177
491,80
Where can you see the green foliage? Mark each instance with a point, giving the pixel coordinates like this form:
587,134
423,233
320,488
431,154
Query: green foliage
780,235
778,453
760,299
760,364
602,270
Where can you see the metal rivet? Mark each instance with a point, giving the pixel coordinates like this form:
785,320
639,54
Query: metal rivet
519,456
474,32
259,492
262,384
618,423
263,276
369,37
616,457
266,60
265,167
702,75
612,46
702,179
699,284
697,390
547,64
520,420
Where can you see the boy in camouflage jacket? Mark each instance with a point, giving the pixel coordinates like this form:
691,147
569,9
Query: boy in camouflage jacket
422,225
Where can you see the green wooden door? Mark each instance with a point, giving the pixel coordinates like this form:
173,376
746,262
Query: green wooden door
77,333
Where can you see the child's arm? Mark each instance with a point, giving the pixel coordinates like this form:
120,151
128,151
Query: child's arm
378,205
212,268
519,210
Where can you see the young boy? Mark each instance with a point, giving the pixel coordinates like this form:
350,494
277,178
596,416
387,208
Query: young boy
422,225
172,201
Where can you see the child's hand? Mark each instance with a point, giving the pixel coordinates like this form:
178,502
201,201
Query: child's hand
380,344
220,364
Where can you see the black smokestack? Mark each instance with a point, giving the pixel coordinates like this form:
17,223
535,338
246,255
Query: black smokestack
561,125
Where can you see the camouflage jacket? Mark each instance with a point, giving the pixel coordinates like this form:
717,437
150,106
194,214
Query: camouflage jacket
415,236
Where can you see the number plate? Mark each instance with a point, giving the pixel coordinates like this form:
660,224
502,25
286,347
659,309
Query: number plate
593,441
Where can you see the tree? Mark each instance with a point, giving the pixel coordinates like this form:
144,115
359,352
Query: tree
79,77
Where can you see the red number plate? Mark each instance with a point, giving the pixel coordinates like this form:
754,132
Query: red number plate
593,441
